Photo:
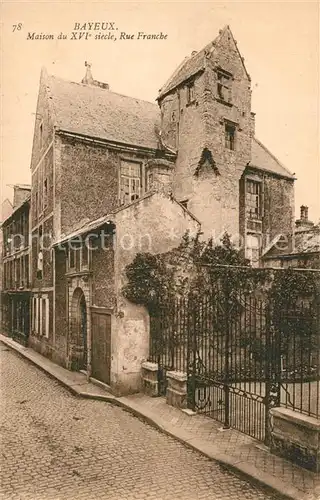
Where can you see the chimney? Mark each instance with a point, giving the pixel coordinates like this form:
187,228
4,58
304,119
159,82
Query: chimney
304,212
159,175
20,194
304,223
88,79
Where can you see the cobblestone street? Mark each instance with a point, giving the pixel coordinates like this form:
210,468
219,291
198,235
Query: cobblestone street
56,446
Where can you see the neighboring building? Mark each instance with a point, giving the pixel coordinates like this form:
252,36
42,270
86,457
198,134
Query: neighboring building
122,175
6,210
15,268
306,249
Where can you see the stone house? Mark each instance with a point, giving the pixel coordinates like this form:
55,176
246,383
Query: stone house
15,299
114,175
305,252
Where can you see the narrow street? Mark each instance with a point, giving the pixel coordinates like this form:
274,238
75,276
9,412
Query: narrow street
56,446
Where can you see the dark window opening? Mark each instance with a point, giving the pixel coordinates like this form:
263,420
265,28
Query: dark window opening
85,255
77,258
26,271
45,192
40,254
230,136
71,258
190,93
224,86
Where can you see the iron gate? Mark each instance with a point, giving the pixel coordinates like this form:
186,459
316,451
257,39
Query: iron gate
240,361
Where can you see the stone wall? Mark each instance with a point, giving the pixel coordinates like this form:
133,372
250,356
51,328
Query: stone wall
154,224
296,437
103,281
89,173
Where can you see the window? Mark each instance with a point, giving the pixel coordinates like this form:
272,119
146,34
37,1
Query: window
26,270
150,180
77,251
253,199
45,193
10,274
36,205
85,255
130,182
230,136
253,249
190,93
4,275
40,315
40,189
224,86
71,258
40,254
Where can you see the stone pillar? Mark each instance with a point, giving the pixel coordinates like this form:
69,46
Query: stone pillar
149,374
296,437
177,389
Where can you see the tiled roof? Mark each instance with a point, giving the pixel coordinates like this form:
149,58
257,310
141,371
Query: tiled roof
97,112
189,67
195,63
307,241
261,158
109,218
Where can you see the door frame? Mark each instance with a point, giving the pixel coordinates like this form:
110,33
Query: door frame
106,311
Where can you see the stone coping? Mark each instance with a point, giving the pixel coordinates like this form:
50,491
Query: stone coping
148,365
180,376
296,417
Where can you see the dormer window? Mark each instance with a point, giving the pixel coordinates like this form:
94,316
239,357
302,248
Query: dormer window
190,93
224,80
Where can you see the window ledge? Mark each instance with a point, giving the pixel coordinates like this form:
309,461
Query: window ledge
74,272
226,103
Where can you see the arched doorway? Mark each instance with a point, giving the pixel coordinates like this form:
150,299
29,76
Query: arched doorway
78,337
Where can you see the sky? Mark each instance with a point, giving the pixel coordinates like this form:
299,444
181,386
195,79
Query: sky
279,41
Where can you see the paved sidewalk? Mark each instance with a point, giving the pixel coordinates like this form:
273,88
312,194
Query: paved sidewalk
229,447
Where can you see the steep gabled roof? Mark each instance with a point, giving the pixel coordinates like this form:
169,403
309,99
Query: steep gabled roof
193,64
188,68
263,159
110,218
98,112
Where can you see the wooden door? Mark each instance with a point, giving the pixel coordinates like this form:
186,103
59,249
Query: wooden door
101,345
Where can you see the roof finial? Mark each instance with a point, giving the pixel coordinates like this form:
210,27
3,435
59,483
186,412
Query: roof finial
88,79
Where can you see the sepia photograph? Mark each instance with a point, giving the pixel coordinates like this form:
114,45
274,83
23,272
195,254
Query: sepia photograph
160,250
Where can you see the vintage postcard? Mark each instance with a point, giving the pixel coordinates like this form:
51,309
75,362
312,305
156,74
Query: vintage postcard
160,250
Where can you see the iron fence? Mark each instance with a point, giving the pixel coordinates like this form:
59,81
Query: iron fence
242,355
